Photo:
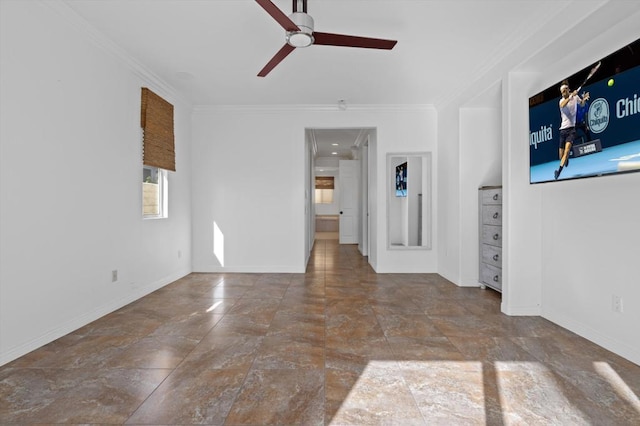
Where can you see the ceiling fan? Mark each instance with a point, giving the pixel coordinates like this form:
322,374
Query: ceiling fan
300,33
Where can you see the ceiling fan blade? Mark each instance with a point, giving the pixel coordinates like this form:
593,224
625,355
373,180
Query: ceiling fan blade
329,39
278,15
278,57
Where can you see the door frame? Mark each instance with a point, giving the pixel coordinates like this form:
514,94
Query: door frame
367,197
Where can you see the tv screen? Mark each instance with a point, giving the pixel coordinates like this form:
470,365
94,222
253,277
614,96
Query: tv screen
596,129
401,180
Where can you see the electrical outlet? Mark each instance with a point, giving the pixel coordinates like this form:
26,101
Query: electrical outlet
114,275
179,254
617,304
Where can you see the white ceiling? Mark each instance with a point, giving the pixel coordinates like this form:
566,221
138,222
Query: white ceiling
211,50
337,143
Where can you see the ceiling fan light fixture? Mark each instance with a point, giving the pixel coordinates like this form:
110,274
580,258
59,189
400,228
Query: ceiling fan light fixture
304,37
299,39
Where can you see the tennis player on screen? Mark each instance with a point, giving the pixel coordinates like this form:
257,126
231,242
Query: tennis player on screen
568,110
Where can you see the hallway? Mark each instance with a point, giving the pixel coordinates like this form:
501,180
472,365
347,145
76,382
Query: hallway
338,345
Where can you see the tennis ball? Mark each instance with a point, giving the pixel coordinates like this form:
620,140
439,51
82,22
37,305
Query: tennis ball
610,82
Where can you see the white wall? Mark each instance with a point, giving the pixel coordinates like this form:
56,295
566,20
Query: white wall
248,179
480,165
309,205
448,202
521,249
374,199
414,132
572,245
70,174
363,234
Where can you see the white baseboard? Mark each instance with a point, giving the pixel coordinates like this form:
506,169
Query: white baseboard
521,311
616,346
473,282
250,269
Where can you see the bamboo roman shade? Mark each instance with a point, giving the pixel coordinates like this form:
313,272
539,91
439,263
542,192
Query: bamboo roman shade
324,182
156,119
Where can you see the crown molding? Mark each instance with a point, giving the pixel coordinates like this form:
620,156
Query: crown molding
205,109
77,22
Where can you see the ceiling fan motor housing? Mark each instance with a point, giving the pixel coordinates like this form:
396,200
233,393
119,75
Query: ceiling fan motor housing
304,37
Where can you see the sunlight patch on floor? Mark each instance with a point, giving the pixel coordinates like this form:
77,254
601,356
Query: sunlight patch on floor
412,392
623,390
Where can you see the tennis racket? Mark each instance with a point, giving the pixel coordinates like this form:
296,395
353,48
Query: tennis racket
593,71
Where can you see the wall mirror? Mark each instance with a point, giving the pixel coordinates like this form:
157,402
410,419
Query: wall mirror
409,201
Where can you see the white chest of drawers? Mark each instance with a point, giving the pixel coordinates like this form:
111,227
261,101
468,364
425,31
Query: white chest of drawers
490,205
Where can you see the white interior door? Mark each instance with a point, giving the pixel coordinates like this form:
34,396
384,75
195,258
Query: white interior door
349,219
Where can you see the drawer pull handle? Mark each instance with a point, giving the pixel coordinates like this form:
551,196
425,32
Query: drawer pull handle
496,257
496,236
495,197
495,215
496,278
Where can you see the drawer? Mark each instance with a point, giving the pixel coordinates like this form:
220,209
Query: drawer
492,214
492,235
491,276
492,196
491,255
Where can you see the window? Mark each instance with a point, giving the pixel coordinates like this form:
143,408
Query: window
324,196
324,189
158,154
154,192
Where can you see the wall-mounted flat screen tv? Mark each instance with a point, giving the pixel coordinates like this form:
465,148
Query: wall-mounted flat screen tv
401,180
591,118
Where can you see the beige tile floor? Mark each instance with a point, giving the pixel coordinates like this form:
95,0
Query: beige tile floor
338,345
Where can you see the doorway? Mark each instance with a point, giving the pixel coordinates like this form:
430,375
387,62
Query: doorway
327,203
345,215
